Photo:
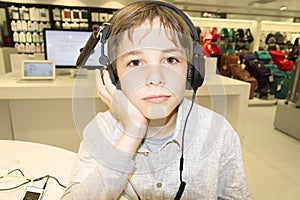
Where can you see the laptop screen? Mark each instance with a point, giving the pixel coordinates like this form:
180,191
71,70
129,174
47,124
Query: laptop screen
35,69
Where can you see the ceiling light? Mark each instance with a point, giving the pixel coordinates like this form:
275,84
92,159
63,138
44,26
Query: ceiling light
283,8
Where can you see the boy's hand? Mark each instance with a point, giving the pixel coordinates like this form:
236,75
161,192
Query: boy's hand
135,124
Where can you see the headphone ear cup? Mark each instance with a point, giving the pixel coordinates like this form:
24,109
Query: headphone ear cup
195,73
114,76
199,65
190,76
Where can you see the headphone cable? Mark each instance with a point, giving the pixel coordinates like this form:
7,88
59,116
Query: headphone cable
182,183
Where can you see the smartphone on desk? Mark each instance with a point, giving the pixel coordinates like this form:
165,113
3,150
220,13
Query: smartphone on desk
33,193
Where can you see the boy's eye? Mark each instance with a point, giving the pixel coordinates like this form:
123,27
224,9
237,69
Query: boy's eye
135,63
171,61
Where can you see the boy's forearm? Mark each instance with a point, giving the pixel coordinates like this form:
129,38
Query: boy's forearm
97,186
90,176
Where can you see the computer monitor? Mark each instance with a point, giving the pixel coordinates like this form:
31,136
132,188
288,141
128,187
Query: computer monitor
63,46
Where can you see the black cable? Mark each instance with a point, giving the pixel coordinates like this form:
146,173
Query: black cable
48,177
45,184
13,172
57,181
28,181
183,133
182,183
16,170
15,187
137,194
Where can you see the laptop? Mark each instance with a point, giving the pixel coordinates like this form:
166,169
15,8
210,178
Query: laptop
38,70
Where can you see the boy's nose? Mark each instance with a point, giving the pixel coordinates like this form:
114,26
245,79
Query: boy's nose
155,75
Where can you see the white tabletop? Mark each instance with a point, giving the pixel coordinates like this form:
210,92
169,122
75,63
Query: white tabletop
35,160
84,87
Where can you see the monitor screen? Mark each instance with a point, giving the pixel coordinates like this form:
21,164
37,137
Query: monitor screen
63,46
38,69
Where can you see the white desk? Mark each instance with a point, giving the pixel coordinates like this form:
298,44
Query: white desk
35,160
45,112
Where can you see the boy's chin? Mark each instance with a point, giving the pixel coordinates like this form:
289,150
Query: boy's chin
157,113
156,117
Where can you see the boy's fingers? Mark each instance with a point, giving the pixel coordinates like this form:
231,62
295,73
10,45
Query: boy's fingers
101,89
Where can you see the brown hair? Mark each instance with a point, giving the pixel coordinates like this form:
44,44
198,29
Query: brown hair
134,15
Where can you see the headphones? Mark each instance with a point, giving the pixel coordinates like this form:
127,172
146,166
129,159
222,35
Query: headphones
196,70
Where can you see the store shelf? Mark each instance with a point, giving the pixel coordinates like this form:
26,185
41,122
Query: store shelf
26,22
280,26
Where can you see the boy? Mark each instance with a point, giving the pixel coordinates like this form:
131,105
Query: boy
134,150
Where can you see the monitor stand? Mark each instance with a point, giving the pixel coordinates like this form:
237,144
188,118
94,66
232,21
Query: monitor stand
64,71
80,73
72,73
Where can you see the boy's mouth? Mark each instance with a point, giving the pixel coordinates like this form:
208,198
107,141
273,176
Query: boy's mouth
157,98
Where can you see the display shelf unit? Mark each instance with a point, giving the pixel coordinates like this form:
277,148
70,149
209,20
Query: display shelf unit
256,27
99,15
36,17
70,17
26,23
279,26
67,17
266,27
229,23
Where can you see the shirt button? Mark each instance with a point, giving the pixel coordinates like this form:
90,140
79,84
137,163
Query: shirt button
146,153
159,185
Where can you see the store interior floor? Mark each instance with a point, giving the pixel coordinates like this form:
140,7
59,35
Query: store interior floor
272,159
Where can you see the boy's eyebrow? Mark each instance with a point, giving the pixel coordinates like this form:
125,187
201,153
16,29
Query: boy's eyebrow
138,52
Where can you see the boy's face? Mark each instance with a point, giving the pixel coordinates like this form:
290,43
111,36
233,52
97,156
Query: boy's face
152,70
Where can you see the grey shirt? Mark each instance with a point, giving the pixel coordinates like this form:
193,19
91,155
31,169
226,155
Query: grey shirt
213,165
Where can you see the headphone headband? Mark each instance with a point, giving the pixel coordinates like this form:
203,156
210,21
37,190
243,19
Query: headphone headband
190,24
193,30
196,70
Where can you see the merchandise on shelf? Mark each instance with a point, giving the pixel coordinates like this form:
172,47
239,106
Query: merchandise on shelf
27,22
